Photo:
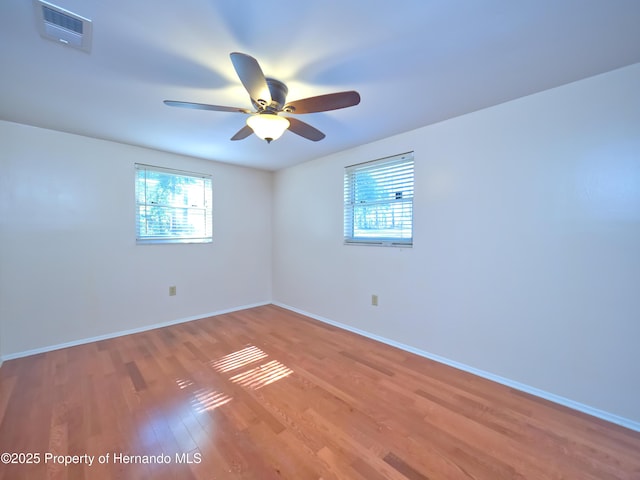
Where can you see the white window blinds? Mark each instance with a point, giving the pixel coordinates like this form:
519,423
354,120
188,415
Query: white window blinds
378,202
172,206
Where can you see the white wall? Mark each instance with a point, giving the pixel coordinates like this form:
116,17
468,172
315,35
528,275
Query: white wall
526,262
69,265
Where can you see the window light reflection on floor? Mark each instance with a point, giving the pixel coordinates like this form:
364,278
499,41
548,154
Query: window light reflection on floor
263,375
207,399
238,359
184,383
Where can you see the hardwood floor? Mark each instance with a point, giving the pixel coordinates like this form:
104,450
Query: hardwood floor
268,394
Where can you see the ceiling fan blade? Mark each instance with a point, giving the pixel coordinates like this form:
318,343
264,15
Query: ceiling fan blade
204,106
251,76
244,132
323,103
305,130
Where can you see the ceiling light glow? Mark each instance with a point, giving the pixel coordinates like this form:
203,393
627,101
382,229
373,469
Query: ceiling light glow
268,126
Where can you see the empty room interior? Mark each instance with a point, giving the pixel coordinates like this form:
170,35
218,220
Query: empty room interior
320,240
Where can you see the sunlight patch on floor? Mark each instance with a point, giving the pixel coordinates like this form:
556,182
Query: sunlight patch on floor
208,399
238,359
184,383
263,375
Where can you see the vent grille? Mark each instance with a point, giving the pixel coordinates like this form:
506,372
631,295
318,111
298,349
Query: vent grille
60,25
61,20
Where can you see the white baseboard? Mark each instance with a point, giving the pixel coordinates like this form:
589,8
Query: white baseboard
609,417
121,333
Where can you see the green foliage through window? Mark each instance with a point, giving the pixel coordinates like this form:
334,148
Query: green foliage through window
172,206
378,201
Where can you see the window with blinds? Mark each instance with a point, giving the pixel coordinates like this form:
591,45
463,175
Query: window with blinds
378,202
172,206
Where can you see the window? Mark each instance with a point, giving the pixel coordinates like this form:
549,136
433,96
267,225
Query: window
172,206
378,202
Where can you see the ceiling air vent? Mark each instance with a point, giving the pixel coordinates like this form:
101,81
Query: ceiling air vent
62,26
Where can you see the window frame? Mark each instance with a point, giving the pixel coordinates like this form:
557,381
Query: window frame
206,206
403,178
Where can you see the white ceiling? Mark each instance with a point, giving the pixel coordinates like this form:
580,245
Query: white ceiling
414,62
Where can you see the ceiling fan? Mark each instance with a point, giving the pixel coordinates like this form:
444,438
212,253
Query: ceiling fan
268,97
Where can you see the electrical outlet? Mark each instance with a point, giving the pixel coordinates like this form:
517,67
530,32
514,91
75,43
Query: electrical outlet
374,300
172,290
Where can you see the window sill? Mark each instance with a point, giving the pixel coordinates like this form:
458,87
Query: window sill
165,241
380,243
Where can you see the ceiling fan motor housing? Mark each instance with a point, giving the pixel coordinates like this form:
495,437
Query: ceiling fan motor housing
278,92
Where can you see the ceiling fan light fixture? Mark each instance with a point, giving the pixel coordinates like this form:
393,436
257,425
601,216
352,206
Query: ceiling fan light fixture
269,98
268,126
